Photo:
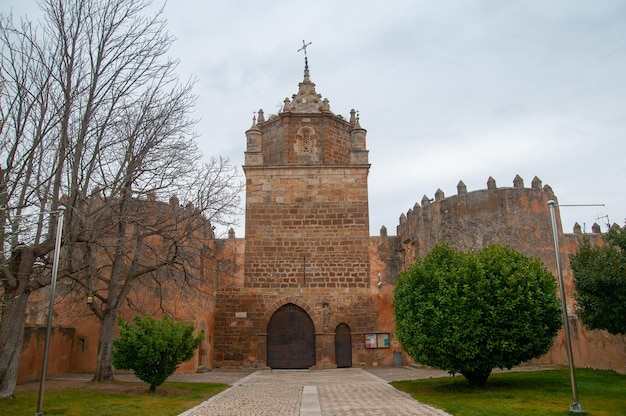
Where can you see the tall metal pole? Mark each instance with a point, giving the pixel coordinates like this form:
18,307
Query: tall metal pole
53,285
575,407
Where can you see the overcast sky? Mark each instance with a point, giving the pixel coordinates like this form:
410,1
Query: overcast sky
447,90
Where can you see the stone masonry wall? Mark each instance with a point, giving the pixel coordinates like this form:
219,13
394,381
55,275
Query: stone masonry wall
518,217
243,314
307,228
312,139
307,238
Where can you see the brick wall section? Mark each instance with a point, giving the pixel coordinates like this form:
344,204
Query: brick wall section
228,270
330,140
307,227
243,314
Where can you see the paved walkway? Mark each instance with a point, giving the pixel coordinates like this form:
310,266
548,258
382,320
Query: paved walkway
349,391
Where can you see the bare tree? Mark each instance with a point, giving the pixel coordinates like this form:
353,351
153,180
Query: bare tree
95,118
28,151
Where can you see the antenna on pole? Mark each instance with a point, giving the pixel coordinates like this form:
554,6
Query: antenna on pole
608,223
303,48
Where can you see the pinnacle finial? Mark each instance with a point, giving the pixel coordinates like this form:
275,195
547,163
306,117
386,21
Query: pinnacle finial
303,48
358,118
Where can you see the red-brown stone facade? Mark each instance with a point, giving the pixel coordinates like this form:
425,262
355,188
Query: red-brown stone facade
307,247
243,314
307,227
307,235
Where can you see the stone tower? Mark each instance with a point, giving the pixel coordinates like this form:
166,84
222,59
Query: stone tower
307,221
305,297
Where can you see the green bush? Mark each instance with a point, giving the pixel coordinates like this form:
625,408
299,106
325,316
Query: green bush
153,349
469,313
600,282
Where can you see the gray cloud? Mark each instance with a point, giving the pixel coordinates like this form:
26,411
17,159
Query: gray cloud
448,91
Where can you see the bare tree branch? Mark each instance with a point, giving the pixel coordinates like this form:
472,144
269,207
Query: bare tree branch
93,116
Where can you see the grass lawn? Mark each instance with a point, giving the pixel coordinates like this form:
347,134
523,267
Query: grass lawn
548,392
116,398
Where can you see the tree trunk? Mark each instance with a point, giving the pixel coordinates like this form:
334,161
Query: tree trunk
12,317
477,377
104,365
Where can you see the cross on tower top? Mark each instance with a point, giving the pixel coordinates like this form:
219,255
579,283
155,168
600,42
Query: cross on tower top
303,48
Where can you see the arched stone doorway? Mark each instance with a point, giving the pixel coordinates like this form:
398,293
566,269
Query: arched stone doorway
290,338
343,346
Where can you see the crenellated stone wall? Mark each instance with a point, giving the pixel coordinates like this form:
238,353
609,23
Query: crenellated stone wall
518,217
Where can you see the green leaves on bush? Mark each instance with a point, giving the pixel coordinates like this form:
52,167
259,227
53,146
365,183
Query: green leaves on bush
471,312
600,282
153,349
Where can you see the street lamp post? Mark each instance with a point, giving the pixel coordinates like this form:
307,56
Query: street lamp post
575,407
53,284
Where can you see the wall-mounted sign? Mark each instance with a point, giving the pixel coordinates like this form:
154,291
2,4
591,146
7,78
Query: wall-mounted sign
377,340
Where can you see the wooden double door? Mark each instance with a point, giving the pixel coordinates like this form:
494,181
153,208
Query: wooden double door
290,338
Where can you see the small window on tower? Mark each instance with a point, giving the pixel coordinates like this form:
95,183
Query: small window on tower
306,143
306,139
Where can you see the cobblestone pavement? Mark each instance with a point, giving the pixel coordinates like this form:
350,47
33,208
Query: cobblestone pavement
350,391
